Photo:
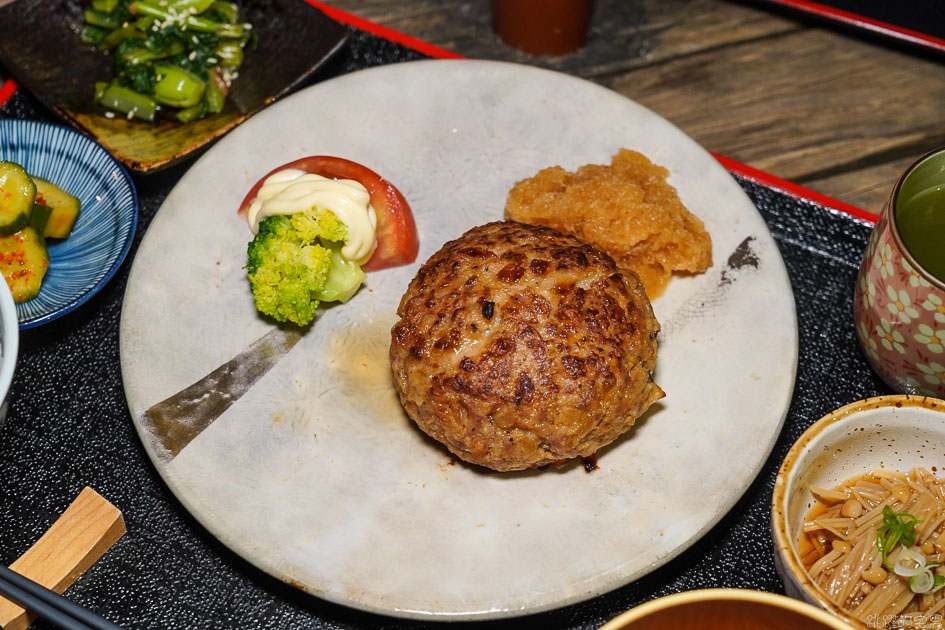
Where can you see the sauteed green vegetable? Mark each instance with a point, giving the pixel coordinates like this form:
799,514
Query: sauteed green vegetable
180,54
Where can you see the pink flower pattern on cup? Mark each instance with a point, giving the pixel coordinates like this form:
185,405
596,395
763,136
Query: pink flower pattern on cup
900,318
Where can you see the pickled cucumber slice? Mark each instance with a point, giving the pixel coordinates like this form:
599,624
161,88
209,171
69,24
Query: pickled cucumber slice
65,208
40,216
23,263
17,192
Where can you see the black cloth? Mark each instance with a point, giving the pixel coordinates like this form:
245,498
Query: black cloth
69,427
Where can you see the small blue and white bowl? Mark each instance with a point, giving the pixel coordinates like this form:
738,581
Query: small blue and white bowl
82,264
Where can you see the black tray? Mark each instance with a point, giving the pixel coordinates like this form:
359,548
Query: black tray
916,22
69,427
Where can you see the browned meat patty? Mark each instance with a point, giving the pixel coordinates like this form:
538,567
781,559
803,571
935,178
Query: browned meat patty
519,346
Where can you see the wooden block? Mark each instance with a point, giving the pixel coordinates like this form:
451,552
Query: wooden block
75,541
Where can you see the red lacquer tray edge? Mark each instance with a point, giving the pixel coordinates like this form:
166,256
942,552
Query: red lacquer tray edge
863,22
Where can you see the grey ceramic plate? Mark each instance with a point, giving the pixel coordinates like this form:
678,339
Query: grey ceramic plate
316,475
40,47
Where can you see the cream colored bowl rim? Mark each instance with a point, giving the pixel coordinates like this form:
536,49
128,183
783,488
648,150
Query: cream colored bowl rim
782,543
10,327
725,594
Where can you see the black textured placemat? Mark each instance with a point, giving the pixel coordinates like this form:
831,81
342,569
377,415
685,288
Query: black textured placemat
69,427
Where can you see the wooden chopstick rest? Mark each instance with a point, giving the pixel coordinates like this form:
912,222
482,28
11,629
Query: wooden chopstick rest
83,533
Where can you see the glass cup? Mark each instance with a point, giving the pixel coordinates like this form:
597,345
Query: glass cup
899,306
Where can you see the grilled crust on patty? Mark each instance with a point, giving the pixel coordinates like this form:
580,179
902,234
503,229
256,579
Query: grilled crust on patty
519,346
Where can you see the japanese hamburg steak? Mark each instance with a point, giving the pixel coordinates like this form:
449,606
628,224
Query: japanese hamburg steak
518,346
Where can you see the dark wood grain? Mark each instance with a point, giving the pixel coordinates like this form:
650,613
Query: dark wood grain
624,34
807,105
867,187
839,113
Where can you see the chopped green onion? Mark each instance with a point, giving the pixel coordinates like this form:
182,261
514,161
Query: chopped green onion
909,563
912,565
896,529
926,581
921,582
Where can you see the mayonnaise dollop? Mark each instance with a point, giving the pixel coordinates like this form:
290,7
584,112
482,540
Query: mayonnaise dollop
293,190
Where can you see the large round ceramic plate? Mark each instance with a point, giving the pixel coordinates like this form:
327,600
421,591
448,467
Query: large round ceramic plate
298,456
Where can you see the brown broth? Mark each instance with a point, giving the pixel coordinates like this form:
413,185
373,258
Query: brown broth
813,545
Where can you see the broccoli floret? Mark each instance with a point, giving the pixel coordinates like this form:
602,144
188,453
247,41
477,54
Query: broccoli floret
292,265
344,277
318,224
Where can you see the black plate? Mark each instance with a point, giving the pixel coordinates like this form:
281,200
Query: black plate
40,47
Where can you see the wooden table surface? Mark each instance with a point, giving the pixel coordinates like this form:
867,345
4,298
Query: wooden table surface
836,111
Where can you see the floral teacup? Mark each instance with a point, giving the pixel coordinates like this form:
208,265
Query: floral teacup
899,306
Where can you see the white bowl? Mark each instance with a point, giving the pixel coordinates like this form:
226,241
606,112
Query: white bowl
897,432
725,608
9,345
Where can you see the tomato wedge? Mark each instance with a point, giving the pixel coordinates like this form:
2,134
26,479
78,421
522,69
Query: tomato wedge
397,242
